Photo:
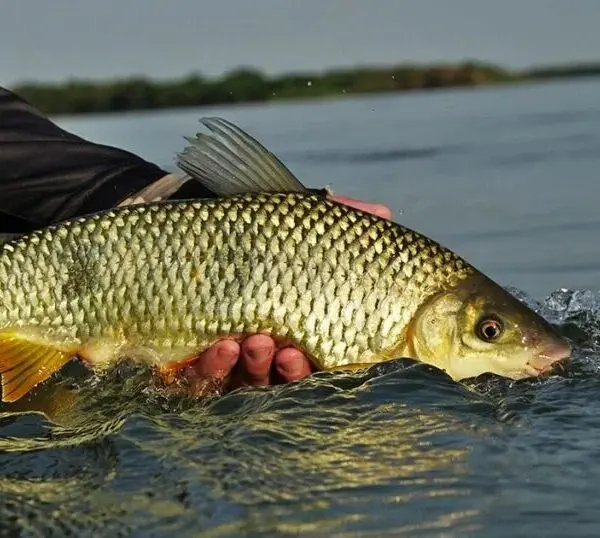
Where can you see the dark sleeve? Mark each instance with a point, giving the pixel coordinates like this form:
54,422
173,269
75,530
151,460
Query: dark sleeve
48,174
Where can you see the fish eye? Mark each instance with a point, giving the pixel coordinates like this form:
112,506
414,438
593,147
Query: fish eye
489,329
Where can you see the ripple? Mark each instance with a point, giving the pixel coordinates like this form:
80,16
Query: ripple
397,450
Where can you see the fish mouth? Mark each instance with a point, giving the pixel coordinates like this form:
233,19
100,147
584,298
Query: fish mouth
553,358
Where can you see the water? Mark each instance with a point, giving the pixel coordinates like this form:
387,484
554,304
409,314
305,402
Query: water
506,177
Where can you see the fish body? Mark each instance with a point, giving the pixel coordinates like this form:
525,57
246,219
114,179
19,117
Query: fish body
175,276
161,282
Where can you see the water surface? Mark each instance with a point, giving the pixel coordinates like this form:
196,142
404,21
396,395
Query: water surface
506,177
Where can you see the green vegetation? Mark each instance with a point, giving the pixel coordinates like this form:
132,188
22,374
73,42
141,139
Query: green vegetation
565,71
246,85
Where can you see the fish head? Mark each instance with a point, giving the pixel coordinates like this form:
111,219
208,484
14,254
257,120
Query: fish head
478,327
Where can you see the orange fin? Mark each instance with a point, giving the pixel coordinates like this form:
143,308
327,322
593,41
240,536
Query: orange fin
26,361
168,372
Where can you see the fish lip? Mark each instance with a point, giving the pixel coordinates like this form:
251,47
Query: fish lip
553,357
540,371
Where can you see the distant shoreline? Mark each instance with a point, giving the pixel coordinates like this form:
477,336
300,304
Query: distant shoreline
248,85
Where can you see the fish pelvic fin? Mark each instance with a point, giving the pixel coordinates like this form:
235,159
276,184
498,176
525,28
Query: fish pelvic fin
26,360
229,161
169,371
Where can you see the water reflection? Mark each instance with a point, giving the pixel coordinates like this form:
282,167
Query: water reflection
399,450
325,456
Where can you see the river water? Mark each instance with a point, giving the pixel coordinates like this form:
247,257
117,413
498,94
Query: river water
507,177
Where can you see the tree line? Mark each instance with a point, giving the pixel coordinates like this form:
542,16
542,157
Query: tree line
246,85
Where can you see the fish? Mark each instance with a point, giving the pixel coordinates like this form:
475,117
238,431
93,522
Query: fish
160,282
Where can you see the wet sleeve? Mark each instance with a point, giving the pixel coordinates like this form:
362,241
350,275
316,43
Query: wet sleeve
48,174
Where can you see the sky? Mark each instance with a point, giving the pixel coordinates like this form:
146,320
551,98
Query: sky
54,40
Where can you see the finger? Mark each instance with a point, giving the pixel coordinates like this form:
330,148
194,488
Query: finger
291,364
255,362
217,361
377,209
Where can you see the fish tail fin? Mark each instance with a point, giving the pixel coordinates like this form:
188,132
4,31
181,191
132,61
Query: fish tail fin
229,161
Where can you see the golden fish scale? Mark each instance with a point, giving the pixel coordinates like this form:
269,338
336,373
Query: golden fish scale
341,284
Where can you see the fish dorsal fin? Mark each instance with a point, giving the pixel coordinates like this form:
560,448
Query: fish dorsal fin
229,161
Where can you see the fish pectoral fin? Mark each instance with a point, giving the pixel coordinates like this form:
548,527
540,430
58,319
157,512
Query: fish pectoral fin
355,367
229,161
26,361
170,362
